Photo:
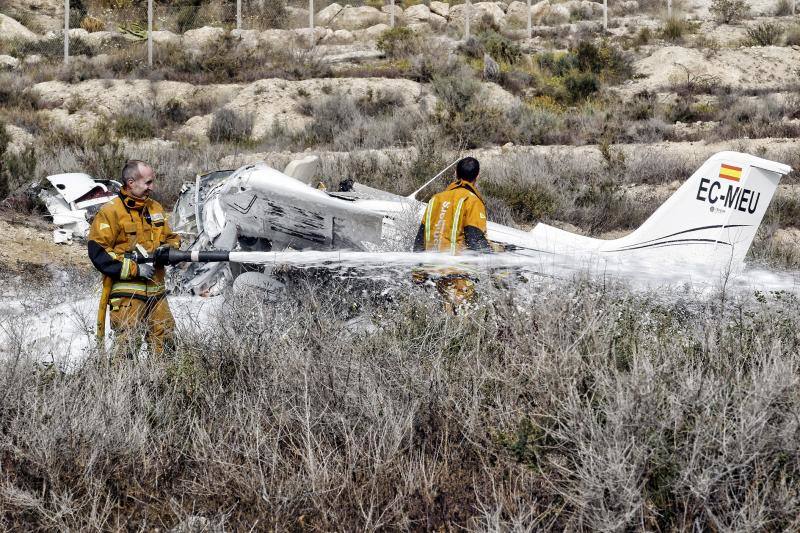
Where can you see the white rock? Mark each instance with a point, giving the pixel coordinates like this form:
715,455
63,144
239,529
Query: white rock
539,10
8,62
495,10
559,14
421,14
591,9
78,33
440,8
325,16
20,139
99,38
497,96
196,128
343,37
627,6
359,18
33,59
303,169
517,13
437,21
247,39
420,27
166,37
297,16
202,37
303,35
417,13
372,33
45,14
277,38
11,30
398,11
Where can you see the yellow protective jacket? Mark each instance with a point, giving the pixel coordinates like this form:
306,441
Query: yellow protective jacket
117,228
455,220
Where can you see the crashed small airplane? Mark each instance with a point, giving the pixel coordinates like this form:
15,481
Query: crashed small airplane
73,200
237,217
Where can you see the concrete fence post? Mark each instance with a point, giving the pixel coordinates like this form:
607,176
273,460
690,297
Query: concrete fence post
467,15
238,14
311,22
391,14
669,9
605,15
530,24
150,33
66,31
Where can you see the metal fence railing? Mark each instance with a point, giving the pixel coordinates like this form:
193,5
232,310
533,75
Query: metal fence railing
87,30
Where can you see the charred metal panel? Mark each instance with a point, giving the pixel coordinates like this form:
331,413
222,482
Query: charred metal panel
300,223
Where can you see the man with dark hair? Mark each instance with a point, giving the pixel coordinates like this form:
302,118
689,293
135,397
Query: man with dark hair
454,221
130,227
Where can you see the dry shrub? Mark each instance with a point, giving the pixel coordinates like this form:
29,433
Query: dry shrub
92,24
793,36
729,11
228,125
399,42
379,119
783,8
561,406
764,34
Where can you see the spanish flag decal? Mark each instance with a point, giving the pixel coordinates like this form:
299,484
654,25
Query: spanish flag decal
730,172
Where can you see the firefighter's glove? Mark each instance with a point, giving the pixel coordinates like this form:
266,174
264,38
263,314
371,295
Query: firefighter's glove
161,255
146,270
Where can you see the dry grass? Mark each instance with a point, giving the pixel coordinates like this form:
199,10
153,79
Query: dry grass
580,407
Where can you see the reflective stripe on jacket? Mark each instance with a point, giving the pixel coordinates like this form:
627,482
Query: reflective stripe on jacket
117,228
449,213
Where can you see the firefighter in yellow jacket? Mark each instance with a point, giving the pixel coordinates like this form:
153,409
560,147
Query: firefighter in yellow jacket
128,227
454,221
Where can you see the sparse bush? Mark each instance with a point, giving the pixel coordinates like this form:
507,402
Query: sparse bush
792,106
399,42
230,126
472,48
529,202
756,118
674,29
764,34
643,37
783,8
581,85
729,11
642,106
135,125
793,36
457,91
376,103
502,49
92,24
331,116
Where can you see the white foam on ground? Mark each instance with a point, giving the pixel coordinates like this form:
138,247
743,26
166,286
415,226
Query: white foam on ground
65,333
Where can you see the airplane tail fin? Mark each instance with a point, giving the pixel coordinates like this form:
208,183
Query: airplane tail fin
712,217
